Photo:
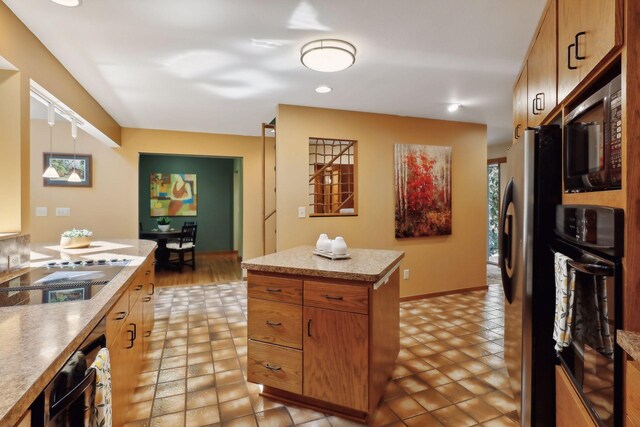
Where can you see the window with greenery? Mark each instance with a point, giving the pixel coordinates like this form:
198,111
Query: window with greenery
493,209
332,177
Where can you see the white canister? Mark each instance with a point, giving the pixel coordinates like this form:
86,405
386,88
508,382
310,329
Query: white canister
339,246
320,241
326,245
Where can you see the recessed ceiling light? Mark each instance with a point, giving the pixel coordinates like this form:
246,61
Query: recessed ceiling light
453,107
328,55
67,3
323,89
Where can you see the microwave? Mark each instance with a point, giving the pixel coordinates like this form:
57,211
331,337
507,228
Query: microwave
593,142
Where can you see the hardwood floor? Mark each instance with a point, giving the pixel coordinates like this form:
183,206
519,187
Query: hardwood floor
213,267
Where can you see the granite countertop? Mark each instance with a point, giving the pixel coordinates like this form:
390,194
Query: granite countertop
630,342
38,339
368,265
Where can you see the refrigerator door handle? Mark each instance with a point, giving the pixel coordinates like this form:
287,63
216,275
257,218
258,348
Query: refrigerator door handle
506,241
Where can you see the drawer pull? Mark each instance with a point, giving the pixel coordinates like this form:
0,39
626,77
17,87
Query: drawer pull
137,288
120,315
147,299
153,288
147,334
578,56
273,290
270,323
148,272
333,298
272,367
309,328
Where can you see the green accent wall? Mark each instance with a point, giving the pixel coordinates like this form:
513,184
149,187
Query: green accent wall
214,193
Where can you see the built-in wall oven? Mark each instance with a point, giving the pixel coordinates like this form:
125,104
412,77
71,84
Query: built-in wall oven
591,236
67,401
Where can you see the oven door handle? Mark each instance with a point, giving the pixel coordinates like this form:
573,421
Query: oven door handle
592,269
62,404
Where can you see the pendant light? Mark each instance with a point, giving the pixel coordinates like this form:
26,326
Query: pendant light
74,177
51,172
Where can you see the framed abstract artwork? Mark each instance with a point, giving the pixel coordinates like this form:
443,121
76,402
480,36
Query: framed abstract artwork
64,164
422,190
173,194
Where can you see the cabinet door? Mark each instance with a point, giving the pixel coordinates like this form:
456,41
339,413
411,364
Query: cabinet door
541,70
336,363
587,31
598,22
632,392
121,375
568,27
520,106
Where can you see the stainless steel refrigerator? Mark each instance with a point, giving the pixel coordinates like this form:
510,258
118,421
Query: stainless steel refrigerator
533,189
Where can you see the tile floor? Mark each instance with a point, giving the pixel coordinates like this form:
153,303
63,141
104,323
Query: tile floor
450,370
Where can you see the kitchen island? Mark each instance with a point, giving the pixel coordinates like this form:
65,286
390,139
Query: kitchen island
324,333
38,339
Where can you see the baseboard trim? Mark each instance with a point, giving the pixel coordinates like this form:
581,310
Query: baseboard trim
443,293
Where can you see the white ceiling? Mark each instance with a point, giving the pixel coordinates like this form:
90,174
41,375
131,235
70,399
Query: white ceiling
223,66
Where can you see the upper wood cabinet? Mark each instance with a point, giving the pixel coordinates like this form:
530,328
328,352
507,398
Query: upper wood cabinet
520,106
587,31
541,69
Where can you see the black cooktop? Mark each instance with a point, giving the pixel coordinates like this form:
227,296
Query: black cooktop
60,281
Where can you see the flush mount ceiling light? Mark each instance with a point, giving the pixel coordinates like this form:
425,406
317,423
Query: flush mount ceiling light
323,89
328,55
453,107
67,3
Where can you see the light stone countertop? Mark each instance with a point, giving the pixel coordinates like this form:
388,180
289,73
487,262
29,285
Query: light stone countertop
368,265
36,340
630,342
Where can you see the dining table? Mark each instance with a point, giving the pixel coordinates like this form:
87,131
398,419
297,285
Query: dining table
162,237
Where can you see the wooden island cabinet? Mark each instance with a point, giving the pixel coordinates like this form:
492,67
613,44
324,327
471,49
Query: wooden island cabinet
324,334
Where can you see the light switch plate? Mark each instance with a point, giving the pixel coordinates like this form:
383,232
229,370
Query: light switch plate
302,212
41,211
63,211
405,274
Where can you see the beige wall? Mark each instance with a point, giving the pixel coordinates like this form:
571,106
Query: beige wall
495,151
23,50
11,187
436,263
110,207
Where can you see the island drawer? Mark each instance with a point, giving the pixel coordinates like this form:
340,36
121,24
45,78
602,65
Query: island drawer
275,288
275,322
351,298
274,366
117,317
137,287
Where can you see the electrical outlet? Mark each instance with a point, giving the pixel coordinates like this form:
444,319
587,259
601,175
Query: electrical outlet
63,211
405,274
41,211
14,261
302,212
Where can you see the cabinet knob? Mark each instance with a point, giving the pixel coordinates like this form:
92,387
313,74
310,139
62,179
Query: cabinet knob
578,56
569,66
272,367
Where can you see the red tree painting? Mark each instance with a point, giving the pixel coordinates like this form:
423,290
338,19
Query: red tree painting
423,190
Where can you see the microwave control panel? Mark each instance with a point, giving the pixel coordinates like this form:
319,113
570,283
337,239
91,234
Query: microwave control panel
615,129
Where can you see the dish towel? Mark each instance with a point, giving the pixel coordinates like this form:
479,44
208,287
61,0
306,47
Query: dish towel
101,415
592,315
565,290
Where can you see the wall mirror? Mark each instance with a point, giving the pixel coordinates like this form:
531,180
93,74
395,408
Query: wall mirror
333,183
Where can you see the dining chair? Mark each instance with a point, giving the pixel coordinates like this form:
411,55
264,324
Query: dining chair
186,244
